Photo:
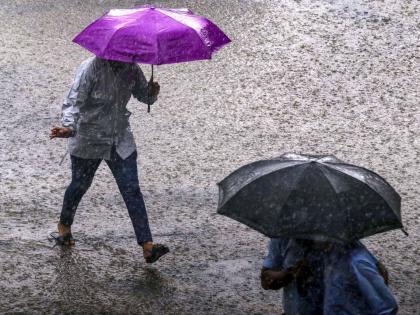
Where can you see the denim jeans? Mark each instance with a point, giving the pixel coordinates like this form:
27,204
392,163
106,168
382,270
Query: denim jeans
126,176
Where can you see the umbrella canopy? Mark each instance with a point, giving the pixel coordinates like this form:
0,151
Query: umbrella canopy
152,36
310,197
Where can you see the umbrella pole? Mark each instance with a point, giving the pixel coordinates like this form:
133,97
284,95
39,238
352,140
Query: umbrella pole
151,81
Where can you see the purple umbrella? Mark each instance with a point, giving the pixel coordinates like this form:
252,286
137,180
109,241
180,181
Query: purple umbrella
153,36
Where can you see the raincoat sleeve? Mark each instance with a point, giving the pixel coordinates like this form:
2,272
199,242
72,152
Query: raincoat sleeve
275,253
141,88
77,96
371,284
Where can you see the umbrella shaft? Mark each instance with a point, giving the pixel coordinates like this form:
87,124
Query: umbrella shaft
151,78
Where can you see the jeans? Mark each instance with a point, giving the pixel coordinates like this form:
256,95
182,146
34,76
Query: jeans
125,174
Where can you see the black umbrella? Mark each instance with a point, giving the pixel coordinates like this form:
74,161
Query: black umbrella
310,197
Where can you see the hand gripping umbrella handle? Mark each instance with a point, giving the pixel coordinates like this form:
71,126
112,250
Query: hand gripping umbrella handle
151,81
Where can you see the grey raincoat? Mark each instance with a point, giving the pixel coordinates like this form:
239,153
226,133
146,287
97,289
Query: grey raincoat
95,108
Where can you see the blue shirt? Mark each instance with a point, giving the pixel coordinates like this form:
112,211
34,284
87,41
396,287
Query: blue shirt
345,280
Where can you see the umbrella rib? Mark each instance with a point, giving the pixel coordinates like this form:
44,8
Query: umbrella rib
347,214
253,180
195,32
157,40
256,227
363,168
110,39
374,190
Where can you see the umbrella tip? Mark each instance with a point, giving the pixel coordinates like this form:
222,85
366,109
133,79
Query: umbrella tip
404,231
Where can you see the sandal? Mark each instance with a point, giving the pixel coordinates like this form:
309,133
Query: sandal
157,251
66,240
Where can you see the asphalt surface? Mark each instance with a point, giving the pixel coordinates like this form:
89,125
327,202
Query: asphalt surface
337,77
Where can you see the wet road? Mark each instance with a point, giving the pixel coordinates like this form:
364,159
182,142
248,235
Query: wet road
306,76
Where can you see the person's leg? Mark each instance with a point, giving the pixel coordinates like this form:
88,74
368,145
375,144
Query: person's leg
126,176
125,173
83,171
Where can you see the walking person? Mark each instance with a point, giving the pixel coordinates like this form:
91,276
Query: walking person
326,278
315,209
96,121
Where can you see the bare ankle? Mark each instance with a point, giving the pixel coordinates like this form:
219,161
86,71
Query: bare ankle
63,229
148,246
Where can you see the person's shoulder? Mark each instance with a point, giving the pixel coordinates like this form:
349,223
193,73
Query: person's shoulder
361,257
88,62
279,242
85,65
135,67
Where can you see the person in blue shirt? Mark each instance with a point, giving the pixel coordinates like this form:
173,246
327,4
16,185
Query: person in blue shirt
327,278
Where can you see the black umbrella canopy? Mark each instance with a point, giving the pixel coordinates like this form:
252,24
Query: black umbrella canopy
310,196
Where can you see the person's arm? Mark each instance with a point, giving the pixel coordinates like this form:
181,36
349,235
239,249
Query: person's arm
277,279
75,99
372,285
383,271
273,277
78,94
145,92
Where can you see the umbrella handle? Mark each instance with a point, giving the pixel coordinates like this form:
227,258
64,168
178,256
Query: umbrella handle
151,80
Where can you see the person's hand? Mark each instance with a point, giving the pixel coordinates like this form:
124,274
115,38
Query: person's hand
304,276
266,279
383,271
275,280
297,267
154,88
60,132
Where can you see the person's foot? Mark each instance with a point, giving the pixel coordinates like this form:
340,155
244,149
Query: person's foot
152,252
64,235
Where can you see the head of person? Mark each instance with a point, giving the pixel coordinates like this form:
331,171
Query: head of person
316,245
116,65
